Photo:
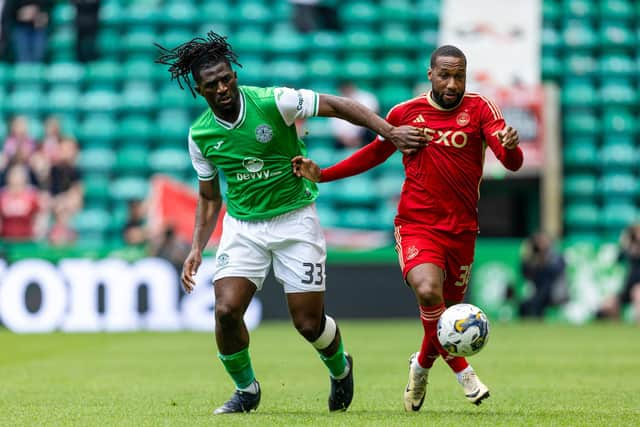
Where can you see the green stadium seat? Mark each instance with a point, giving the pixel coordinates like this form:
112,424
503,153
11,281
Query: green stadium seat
579,9
582,215
580,35
392,94
132,160
360,12
112,15
27,73
580,186
618,156
322,66
64,72
618,120
396,67
580,64
25,100
62,42
552,67
398,37
390,184
286,72
63,14
617,65
323,156
140,40
360,68
619,215
135,128
96,160
174,37
213,14
143,13
92,222
358,40
170,95
427,12
252,71
284,40
172,161
393,165
579,92
551,11
63,99
329,216
252,13
358,218
399,10
551,38
110,43
325,41
581,122
618,92
105,72
100,100
96,189
248,40
97,130
35,126
580,153
172,127
429,39
617,10
618,184
177,13
142,69
138,97
617,35
129,188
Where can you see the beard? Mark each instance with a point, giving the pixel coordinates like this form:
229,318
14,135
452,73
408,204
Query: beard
439,98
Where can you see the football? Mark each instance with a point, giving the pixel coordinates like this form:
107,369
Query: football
463,330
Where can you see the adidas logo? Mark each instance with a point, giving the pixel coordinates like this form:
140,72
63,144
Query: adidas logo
419,119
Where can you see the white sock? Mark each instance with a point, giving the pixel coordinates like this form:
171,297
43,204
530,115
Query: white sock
251,388
464,371
416,366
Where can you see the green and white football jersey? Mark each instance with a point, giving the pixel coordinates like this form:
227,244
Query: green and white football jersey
254,153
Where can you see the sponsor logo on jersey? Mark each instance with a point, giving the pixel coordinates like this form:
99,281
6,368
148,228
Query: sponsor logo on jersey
254,167
264,133
448,138
419,119
253,164
463,118
218,144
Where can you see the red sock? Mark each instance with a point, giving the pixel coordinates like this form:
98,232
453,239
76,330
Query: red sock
429,317
456,363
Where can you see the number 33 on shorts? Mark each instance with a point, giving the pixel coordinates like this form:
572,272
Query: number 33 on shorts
465,275
313,273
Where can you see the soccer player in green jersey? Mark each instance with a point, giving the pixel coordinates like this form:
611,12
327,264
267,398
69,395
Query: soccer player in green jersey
248,135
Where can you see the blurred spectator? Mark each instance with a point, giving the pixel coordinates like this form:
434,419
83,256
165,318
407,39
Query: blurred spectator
87,24
136,231
60,232
544,267
4,28
166,244
630,293
30,20
65,181
314,15
18,149
348,135
21,210
47,152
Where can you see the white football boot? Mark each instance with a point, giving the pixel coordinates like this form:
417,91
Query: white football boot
416,389
474,389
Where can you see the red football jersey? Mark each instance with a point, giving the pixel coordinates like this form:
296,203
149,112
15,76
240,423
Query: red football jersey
442,180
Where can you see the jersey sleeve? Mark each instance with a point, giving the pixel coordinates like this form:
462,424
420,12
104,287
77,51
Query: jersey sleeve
295,104
205,170
492,123
369,156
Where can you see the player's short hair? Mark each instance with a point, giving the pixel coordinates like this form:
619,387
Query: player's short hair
186,60
447,50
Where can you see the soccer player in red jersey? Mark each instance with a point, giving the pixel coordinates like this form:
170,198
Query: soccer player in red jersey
437,222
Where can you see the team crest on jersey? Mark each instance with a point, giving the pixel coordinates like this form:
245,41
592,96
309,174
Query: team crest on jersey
223,259
463,118
253,164
264,133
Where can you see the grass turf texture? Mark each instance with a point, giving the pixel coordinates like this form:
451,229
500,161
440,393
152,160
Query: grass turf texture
539,374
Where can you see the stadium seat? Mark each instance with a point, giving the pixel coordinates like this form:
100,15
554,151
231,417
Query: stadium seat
248,40
580,35
110,43
580,153
618,184
618,120
360,40
617,65
618,156
132,160
143,13
129,188
112,15
105,72
579,9
551,38
551,11
284,40
135,128
358,218
580,64
581,122
619,215
582,215
64,72
62,99
213,14
174,37
96,189
171,96
328,215
397,67
27,73
326,41
615,34
97,130
322,66
96,160
285,72
579,92
92,222
179,13
400,10
175,161
360,12
392,94
580,186
25,100
360,68
359,190
252,13
389,184
61,44
138,97
172,127
618,92
617,10
100,100
142,69
140,40
552,67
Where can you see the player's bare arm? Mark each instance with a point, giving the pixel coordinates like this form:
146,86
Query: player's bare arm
509,138
406,138
207,211
306,168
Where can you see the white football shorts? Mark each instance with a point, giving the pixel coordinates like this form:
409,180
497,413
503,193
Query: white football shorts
293,242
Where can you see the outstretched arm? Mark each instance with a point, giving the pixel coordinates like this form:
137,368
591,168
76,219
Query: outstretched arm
406,138
367,157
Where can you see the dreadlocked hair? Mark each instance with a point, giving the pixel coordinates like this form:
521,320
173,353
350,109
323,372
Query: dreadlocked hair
186,60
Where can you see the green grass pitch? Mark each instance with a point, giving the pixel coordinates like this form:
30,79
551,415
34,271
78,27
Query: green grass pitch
539,375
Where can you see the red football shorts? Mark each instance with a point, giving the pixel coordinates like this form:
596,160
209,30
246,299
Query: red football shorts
453,253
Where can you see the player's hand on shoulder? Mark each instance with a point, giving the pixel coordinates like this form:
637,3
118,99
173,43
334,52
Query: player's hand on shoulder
509,138
408,139
306,168
189,269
